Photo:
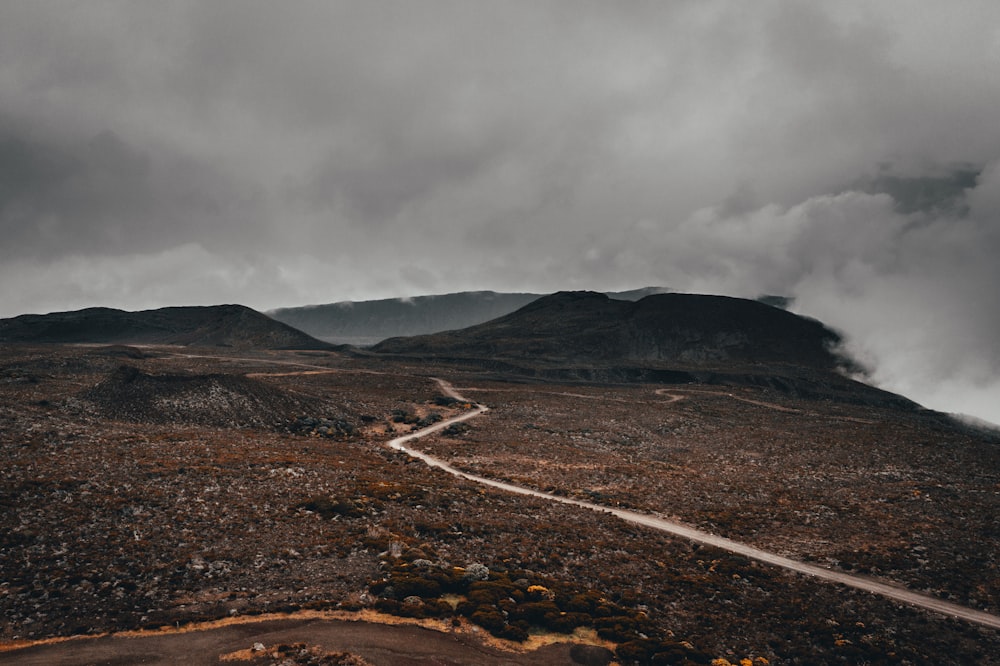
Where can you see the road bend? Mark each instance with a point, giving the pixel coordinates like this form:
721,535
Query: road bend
892,591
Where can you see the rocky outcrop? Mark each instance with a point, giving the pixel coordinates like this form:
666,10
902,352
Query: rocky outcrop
129,394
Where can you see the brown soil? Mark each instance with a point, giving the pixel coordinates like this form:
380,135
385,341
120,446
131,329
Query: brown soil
376,643
109,524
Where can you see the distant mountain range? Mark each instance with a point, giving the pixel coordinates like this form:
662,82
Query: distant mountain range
367,322
213,326
585,336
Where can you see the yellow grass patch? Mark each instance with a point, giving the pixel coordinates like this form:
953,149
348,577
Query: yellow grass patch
9,646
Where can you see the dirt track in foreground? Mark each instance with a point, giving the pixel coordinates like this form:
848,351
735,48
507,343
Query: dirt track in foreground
379,644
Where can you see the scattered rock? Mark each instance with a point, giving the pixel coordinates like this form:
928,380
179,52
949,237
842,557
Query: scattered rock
331,428
476,571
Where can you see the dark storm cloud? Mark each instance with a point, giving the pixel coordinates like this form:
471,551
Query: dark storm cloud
913,287
941,193
98,195
279,153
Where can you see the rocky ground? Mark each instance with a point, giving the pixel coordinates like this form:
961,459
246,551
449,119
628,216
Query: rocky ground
908,496
117,520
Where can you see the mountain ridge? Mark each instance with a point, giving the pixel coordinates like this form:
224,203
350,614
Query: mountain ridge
368,322
664,338
685,328
235,326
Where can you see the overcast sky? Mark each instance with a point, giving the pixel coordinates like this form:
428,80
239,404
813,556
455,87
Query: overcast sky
280,153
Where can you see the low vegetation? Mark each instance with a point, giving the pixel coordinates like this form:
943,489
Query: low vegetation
110,523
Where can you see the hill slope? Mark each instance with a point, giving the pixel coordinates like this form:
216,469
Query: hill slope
663,338
685,329
368,322
211,326
219,400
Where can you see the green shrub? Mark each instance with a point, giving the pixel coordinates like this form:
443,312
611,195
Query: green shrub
638,651
409,585
535,612
487,592
671,652
489,619
456,429
437,608
513,632
566,623
618,629
328,507
429,420
585,602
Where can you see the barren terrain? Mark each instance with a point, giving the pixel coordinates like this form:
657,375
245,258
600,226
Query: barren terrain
903,496
160,516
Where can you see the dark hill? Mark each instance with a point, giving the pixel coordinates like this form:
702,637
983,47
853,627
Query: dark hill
212,326
663,338
128,394
368,322
681,329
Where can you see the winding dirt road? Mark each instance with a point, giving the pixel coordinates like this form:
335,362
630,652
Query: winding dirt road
889,590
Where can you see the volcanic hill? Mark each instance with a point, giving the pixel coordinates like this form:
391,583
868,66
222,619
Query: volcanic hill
672,338
217,400
234,326
681,328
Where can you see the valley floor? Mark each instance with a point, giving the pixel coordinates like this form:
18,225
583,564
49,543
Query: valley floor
141,520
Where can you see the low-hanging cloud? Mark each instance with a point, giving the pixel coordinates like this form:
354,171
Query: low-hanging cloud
914,291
